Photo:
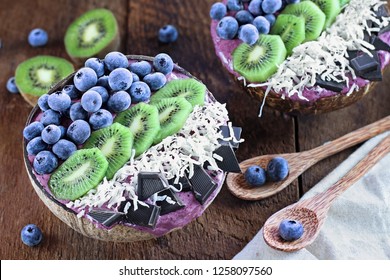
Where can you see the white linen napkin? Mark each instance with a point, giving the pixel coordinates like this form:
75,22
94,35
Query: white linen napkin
358,222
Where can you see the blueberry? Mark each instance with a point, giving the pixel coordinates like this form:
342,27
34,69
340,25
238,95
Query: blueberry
63,131
271,18
140,92
218,11
45,162
135,77
59,101
141,68
155,80
51,117
120,79
102,91
168,34
11,85
72,91
244,17
35,146
91,101
103,81
255,176
292,1
227,28
271,6
77,112
249,34
262,24
277,169
163,63
33,130
31,235
42,102
255,7
115,60
85,78
290,230
64,149
38,37
234,5
51,134
96,64
100,119
79,131
119,101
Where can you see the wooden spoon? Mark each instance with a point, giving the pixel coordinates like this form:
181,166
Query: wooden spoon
312,212
299,162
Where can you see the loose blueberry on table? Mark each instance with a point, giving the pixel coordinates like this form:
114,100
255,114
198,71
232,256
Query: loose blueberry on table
31,235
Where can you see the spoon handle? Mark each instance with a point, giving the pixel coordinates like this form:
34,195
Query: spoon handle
320,203
349,140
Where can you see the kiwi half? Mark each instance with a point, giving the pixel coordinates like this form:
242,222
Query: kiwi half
35,76
80,173
331,9
313,16
192,90
115,142
291,29
142,119
94,33
259,61
172,113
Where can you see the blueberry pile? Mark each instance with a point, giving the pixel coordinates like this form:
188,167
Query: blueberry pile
246,20
277,170
100,90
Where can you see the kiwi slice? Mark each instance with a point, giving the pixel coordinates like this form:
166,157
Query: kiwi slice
313,16
172,113
291,29
343,3
81,172
192,90
94,33
35,76
260,60
115,142
142,119
331,9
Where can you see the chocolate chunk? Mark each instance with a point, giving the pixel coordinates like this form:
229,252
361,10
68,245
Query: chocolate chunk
382,11
203,185
379,44
171,202
330,85
106,217
364,64
185,184
149,183
229,162
352,54
143,216
226,133
375,75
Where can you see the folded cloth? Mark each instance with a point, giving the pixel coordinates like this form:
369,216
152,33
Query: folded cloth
358,222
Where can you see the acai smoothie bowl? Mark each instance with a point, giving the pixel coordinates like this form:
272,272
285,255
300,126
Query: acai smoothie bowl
129,148
303,57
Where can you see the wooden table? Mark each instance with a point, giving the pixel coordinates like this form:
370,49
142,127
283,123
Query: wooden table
229,223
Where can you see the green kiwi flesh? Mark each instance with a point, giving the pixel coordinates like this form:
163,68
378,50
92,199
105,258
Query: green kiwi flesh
142,119
35,76
313,16
343,3
173,113
291,29
192,90
115,142
259,61
91,33
81,172
331,9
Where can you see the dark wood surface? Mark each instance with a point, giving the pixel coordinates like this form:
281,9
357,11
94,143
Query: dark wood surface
229,223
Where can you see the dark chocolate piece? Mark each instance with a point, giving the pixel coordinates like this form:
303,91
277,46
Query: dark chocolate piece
166,205
330,85
185,184
352,54
226,133
106,217
382,11
150,183
379,44
375,75
203,185
143,216
364,64
229,162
